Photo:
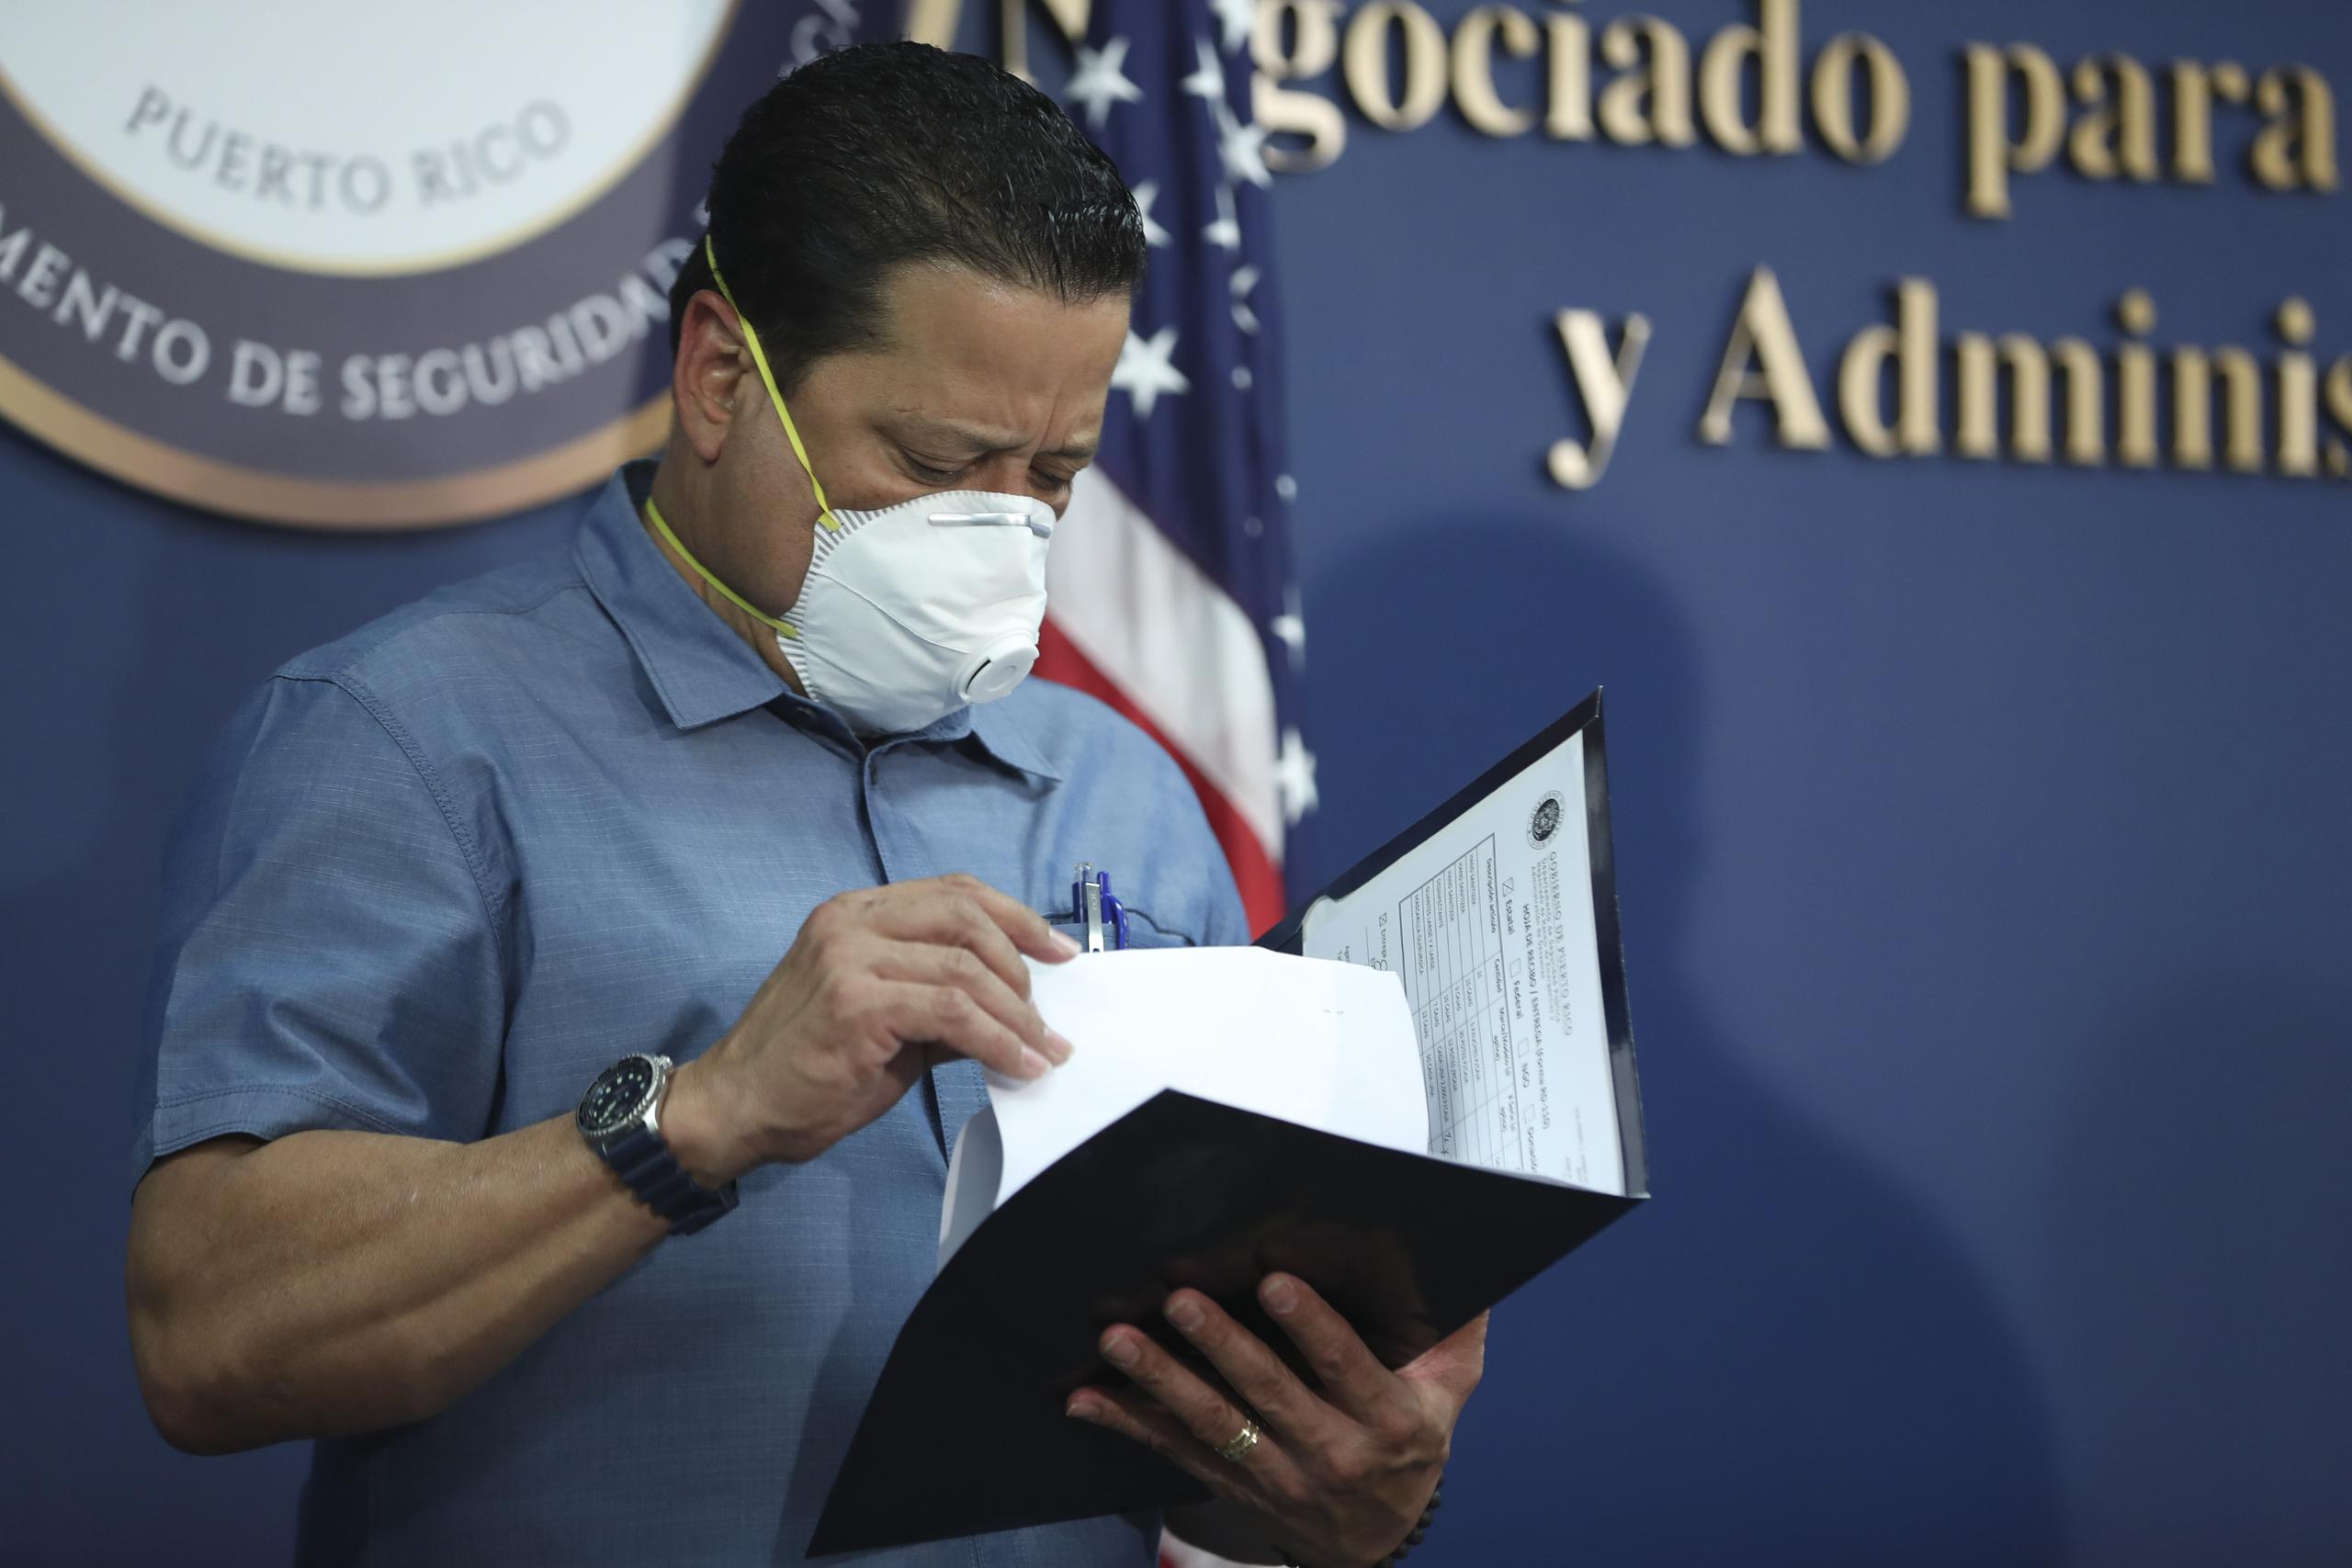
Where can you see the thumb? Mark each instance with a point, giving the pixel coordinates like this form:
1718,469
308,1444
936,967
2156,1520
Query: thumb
1454,1363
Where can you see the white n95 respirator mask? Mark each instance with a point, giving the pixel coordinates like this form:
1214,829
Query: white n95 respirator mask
910,611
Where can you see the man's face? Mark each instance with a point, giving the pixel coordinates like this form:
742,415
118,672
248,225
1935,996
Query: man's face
977,385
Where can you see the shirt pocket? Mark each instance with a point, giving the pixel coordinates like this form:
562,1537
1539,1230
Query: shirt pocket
1143,931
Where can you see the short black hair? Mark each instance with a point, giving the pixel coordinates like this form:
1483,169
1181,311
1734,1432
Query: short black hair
882,154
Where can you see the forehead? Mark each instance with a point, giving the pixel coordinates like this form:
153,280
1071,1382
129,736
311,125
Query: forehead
960,346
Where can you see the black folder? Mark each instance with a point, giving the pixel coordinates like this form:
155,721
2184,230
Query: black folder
964,1431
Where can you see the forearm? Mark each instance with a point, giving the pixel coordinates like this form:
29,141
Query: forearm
334,1283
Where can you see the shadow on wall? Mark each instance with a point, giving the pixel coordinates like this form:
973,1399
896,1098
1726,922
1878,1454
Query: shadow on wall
1779,1359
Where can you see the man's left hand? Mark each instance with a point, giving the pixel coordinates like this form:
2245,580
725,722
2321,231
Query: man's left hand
1339,1474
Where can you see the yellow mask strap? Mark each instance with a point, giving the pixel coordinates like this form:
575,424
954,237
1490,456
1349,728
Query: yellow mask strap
767,379
662,524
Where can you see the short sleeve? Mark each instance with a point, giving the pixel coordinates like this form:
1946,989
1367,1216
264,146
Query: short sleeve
1228,922
1222,921
326,956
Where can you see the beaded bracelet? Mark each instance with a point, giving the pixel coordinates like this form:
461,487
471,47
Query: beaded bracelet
1412,1537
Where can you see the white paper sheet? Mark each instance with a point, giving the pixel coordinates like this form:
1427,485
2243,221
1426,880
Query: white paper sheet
1324,1044
1489,925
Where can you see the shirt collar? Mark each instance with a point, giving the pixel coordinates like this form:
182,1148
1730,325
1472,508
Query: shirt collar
1000,733
700,669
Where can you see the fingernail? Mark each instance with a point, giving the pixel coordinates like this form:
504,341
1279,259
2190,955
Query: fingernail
1119,1350
1278,1295
1059,1048
1065,945
1185,1312
1080,1407
1033,1065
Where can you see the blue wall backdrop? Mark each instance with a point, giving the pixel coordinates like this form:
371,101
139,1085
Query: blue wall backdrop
1981,825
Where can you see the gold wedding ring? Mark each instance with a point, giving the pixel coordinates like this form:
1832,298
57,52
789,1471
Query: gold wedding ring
1238,1449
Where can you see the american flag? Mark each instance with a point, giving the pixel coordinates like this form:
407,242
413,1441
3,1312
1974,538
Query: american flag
1171,594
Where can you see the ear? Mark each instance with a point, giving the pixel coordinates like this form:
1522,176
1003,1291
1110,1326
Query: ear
711,374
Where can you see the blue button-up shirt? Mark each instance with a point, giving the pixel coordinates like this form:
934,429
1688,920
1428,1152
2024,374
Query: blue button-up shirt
440,874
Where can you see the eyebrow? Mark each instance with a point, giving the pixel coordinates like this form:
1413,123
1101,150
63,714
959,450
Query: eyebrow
982,439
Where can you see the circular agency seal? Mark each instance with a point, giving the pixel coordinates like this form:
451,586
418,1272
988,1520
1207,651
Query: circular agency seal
312,267
1544,820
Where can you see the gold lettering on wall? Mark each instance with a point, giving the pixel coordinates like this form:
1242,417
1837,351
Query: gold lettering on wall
934,22
1474,67
1296,39
1364,60
1651,102
1910,345
1762,360
2135,382
1604,381
1630,81
2119,136
2085,401
2339,405
1772,46
1981,363
2297,145
1996,151
2017,398
1833,98
1567,114
2104,116
2298,392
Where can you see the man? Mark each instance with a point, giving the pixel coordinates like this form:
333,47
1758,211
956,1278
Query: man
511,844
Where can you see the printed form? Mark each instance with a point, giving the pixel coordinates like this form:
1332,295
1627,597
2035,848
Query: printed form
1489,924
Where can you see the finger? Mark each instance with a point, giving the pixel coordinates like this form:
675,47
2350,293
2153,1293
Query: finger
945,1017
1027,928
946,916
1253,1371
1264,1476
1135,1417
1351,1375
1206,1413
927,963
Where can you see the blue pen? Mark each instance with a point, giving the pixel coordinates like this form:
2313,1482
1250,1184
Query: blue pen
1091,897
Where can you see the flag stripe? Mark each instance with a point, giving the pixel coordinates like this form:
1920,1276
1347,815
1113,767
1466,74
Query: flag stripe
1254,871
1171,641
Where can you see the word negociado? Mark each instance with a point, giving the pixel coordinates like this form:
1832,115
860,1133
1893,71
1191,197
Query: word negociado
1510,71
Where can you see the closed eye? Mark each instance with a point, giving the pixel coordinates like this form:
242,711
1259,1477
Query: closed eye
928,472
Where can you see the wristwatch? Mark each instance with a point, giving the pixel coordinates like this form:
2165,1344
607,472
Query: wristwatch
618,1118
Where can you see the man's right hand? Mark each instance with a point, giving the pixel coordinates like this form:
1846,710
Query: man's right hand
881,984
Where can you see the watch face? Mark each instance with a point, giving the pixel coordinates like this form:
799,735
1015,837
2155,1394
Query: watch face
617,1096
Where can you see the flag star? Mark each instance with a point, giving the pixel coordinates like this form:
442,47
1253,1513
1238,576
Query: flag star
1244,279
1239,17
1294,778
1225,231
1099,80
1145,194
1287,487
1144,370
1240,147
1289,629
1207,80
